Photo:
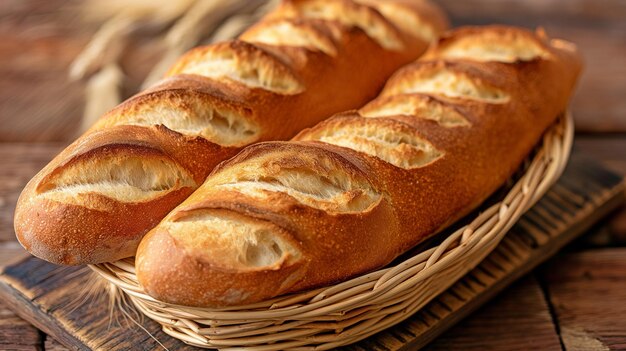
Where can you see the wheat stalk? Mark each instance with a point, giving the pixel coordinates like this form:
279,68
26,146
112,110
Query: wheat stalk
202,19
100,57
104,48
102,94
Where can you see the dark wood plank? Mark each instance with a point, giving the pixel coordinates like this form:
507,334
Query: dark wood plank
53,298
16,333
506,323
58,299
588,292
52,345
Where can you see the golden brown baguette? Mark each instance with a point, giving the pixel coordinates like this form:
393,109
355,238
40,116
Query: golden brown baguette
305,61
354,192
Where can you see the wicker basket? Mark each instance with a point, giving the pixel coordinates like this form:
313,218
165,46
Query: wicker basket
353,310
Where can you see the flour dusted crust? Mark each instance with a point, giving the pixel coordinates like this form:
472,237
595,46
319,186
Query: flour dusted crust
352,193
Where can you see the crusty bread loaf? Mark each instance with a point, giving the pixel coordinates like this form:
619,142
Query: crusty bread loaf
305,61
354,192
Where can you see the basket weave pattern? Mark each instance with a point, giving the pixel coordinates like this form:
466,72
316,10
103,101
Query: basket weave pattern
353,310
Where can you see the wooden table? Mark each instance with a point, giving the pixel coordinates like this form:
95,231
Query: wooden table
575,302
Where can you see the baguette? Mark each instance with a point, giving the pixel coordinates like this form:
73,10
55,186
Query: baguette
351,194
305,61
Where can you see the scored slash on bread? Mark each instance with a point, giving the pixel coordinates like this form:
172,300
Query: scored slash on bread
305,61
352,193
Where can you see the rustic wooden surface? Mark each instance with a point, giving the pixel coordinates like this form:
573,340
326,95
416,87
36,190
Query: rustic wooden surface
588,293
39,38
519,312
16,333
69,304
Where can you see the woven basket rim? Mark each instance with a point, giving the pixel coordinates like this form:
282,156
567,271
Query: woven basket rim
362,306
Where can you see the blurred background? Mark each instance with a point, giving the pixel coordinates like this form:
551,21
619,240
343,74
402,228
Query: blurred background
41,102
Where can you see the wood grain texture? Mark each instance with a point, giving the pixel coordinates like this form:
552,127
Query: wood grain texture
16,333
506,323
588,292
71,304
55,298
51,344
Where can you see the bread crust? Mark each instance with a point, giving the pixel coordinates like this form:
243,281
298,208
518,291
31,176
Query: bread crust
291,70
359,189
